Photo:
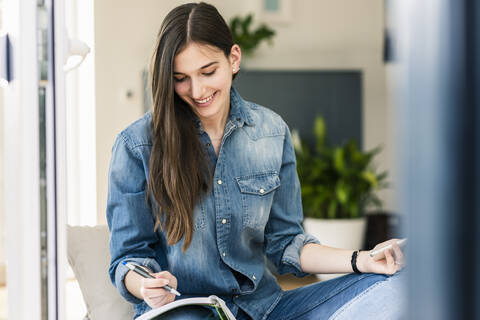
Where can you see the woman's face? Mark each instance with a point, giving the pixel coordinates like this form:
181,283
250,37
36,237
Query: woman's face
203,77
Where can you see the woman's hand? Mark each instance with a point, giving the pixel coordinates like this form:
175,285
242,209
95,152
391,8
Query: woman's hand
393,262
153,293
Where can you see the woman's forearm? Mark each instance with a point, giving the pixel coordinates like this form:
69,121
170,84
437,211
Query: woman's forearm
316,258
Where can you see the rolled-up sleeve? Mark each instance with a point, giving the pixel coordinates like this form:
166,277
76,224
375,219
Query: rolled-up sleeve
129,217
121,272
284,235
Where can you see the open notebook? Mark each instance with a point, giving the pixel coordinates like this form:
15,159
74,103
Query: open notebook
213,307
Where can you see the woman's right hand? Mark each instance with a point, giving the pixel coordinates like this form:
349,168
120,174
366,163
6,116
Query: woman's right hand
153,293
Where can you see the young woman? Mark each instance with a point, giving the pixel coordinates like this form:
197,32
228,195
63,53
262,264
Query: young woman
205,187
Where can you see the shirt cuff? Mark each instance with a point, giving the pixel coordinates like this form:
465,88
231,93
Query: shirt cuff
291,255
122,270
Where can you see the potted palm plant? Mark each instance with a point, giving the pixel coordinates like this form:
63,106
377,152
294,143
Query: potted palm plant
245,37
338,184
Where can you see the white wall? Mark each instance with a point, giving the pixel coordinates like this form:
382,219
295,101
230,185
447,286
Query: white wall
80,115
2,208
322,34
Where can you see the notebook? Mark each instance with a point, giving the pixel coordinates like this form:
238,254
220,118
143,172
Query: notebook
212,307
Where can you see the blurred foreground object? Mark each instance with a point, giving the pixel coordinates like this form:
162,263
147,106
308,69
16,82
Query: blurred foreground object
439,154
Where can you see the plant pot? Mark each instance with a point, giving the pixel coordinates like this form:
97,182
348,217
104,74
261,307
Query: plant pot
338,233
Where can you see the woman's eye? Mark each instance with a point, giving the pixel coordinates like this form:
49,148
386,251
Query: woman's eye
209,73
178,79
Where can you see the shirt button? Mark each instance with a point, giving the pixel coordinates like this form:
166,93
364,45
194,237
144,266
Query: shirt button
224,221
208,144
219,181
224,254
254,278
262,191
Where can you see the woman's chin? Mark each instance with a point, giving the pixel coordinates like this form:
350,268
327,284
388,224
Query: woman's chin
209,112
206,114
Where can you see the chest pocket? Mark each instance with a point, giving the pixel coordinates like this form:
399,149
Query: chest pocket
257,192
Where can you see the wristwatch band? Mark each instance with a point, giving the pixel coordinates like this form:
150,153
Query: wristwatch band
354,261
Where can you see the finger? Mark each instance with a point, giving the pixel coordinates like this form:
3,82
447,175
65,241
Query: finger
163,299
159,297
169,276
155,283
154,293
163,274
391,267
156,297
399,257
385,243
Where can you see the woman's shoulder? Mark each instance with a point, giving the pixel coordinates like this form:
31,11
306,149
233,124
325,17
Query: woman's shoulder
265,119
139,132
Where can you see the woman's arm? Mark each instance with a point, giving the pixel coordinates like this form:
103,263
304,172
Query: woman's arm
316,258
132,235
284,235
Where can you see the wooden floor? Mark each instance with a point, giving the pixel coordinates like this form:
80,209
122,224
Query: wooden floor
289,282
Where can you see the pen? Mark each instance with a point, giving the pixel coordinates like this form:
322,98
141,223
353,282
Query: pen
145,274
379,253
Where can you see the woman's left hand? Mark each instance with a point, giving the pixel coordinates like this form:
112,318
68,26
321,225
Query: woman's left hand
394,260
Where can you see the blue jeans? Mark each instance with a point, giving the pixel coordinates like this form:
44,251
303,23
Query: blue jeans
352,296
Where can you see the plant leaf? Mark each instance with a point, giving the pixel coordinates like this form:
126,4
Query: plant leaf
370,177
319,131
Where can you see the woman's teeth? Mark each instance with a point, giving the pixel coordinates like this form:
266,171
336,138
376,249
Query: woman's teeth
205,100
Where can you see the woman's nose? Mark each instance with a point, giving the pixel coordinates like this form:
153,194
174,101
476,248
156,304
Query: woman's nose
197,89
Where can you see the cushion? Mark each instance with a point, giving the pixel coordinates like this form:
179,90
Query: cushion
89,257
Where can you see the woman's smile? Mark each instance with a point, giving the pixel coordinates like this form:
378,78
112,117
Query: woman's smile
205,102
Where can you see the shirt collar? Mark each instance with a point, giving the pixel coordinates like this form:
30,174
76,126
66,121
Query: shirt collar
239,112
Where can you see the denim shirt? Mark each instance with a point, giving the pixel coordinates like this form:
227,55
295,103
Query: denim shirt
252,212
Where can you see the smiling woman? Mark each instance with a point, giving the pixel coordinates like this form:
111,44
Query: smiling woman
223,194
203,77
201,56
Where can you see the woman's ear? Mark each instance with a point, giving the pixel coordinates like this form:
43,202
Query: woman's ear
235,57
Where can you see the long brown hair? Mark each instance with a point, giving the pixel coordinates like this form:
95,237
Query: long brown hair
179,171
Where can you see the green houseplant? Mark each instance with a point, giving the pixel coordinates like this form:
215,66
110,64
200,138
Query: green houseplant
248,39
337,182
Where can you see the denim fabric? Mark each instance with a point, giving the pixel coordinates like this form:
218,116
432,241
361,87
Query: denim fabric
383,300
353,296
253,212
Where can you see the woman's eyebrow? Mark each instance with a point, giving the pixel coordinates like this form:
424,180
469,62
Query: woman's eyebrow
205,66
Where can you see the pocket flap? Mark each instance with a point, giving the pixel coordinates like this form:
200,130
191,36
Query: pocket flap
259,184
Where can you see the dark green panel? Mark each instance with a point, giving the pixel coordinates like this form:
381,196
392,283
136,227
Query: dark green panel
298,96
